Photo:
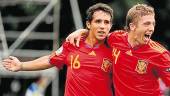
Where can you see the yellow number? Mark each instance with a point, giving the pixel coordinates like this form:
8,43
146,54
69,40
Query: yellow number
115,53
75,63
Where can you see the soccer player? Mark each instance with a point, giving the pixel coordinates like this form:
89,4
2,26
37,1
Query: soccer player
138,61
88,66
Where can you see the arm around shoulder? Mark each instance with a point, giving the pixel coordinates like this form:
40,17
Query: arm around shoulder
74,38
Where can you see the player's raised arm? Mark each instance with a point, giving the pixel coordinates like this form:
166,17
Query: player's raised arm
14,64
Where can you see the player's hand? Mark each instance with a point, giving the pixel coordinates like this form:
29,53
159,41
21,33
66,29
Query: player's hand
12,64
74,38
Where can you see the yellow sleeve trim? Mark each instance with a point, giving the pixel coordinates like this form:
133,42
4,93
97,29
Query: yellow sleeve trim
157,47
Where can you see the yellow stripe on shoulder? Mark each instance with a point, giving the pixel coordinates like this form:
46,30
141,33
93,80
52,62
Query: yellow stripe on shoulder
156,46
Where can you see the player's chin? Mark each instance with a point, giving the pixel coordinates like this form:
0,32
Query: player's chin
145,41
101,38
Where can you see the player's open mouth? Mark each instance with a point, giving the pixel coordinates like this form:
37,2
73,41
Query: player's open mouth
101,32
147,37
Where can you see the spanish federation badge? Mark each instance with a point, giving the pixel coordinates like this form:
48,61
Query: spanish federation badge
141,66
106,65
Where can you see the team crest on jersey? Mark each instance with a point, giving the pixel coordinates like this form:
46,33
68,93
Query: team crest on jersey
106,65
141,66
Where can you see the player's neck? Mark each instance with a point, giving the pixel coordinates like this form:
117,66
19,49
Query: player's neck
131,40
93,41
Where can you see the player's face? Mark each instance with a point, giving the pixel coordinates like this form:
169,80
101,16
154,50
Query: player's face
144,29
100,25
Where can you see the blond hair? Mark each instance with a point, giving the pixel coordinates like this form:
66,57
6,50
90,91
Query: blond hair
136,12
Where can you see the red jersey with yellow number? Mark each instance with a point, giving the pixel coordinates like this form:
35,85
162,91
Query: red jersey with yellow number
88,69
136,70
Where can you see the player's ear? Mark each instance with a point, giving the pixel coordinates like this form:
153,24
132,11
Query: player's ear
88,24
132,26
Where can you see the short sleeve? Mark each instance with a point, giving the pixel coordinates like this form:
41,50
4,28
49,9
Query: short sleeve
58,58
163,67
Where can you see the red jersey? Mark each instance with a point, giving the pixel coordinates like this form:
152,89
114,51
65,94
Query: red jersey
88,69
136,70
